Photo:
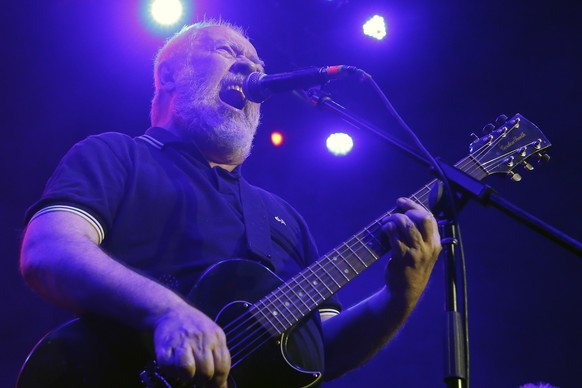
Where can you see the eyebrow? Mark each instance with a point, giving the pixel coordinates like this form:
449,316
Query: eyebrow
237,47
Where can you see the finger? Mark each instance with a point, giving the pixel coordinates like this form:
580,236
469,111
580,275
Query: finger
397,246
425,223
405,204
204,364
221,366
164,355
404,230
416,212
184,363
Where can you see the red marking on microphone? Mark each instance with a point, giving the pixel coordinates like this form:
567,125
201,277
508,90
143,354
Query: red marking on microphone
334,69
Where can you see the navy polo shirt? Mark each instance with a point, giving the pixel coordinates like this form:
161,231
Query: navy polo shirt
158,206
161,209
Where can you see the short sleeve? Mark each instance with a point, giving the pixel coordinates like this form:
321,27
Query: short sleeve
89,180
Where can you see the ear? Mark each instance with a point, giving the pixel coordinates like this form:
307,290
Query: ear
166,76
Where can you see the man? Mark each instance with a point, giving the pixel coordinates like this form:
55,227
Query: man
126,226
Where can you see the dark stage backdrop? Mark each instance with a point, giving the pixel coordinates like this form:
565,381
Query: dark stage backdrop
74,68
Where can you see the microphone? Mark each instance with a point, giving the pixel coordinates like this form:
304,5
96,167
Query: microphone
257,87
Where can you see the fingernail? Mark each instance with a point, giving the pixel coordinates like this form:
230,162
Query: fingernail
402,201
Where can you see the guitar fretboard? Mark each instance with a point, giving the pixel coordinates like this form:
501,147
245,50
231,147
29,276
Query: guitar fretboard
297,297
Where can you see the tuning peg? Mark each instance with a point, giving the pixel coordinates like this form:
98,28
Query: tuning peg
509,161
543,158
527,166
500,120
514,176
488,129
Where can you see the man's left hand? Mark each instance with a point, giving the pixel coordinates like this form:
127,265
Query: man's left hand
415,243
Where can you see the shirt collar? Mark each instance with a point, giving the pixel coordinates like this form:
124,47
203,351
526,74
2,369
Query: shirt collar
161,138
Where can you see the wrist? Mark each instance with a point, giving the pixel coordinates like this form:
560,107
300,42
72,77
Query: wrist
385,303
164,305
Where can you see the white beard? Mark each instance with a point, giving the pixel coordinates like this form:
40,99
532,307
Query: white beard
223,134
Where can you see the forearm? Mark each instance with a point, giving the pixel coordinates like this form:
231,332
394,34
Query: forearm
72,271
61,260
357,334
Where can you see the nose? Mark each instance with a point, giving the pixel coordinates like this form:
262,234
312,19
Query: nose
244,66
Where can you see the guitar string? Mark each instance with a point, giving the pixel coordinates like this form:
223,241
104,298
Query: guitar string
417,201
347,248
265,338
261,339
465,162
501,159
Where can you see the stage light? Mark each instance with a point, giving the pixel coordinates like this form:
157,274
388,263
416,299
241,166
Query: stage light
166,12
375,27
277,138
339,144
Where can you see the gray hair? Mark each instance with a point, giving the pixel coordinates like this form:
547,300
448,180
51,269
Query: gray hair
177,51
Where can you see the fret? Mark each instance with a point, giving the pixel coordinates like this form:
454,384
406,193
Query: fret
302,292
286,305
271,328
307,281
328,274
470,160
296,297
333,262
306,290
425,201
378,244
346,271
291,297
367,248
415,199
422,198
270,311
378,223
357,256
319,281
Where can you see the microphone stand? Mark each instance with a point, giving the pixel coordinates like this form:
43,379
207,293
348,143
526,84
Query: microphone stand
465,187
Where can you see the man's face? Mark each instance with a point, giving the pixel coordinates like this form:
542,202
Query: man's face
210,106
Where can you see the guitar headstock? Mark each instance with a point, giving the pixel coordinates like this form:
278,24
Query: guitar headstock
510,146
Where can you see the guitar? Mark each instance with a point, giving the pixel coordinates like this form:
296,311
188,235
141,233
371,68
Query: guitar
262,313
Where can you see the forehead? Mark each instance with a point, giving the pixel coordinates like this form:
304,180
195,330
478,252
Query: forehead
218,34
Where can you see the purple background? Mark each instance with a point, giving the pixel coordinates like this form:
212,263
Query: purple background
75,68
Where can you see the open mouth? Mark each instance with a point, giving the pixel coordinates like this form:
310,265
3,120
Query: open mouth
233,95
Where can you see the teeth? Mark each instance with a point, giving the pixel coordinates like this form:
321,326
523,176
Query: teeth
232,94
235,87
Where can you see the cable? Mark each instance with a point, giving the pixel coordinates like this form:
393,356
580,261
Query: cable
454,211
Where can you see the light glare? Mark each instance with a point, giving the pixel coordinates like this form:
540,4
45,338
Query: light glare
339,144
277,138
166,12
375,27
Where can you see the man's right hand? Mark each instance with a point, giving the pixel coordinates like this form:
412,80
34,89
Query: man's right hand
61,259
189,345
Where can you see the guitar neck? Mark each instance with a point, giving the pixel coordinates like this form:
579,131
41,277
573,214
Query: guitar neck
499,152
289,303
